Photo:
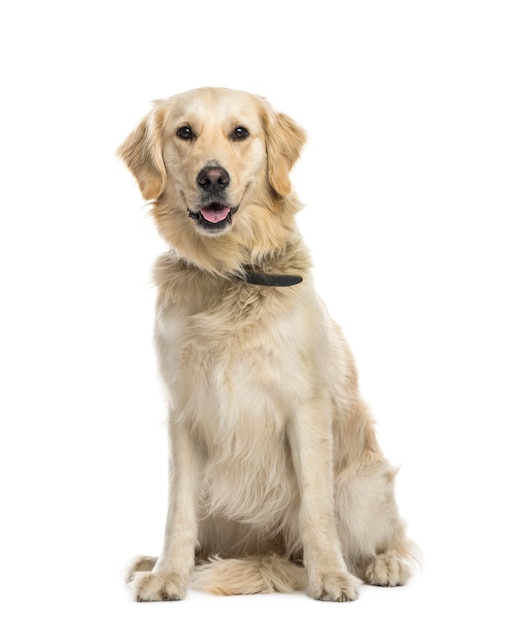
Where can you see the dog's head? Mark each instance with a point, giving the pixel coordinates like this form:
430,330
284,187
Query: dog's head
207,157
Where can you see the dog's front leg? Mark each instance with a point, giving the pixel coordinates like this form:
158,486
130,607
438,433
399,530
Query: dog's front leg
167,580
311,441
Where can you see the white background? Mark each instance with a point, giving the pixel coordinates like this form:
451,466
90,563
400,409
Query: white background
406,184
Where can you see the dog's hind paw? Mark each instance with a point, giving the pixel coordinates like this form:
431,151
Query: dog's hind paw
388,570
139,564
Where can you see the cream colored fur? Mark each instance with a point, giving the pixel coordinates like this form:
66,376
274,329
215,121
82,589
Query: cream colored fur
276,478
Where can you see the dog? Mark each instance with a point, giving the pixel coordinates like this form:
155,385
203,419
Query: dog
277,482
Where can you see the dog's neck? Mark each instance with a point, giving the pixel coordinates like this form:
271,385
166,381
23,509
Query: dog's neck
271,280
279,269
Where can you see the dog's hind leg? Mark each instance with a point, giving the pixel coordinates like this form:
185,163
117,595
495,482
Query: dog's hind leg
388,569
377,548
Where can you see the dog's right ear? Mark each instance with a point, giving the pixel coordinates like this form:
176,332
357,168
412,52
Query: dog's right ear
142,152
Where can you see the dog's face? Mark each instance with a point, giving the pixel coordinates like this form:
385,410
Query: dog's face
207,157
214,152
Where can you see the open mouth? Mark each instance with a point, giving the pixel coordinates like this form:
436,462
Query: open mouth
214,216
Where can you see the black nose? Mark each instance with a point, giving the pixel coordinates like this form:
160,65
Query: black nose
213,179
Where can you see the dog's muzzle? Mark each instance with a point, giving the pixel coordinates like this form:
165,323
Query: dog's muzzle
215,214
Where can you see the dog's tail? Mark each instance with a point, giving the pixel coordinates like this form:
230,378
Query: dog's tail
249,575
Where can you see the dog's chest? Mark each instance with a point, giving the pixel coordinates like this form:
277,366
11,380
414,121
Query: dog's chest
235,385
225,361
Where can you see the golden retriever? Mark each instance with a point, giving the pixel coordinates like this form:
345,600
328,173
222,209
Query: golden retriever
276,478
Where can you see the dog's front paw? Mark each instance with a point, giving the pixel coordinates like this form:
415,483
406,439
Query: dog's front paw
338,587
157,586
388,570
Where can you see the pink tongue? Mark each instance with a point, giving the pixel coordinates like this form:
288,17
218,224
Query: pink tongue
215,215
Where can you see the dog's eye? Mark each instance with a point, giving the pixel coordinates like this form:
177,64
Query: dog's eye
185,132
240,133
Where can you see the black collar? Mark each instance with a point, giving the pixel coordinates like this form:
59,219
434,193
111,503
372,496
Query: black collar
272,280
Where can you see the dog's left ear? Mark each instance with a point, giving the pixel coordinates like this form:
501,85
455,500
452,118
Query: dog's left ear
142,152
284,141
